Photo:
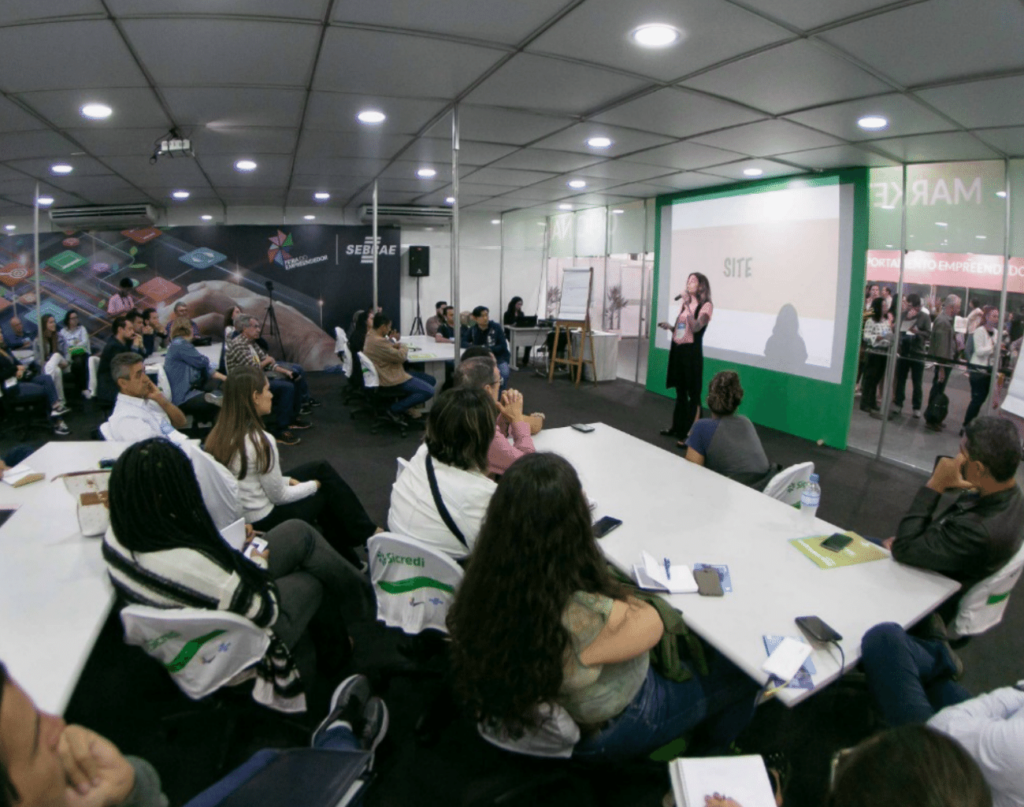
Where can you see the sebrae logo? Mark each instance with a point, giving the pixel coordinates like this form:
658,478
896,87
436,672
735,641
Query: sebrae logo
279,254
365,249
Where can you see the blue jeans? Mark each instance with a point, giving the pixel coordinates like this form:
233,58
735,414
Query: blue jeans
286,405
664,710
418,389
979,392
503,369
910,679
301,387
41,386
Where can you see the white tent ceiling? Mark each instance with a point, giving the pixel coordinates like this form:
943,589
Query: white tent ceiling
772,84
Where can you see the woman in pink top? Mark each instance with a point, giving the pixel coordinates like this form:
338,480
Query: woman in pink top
686,357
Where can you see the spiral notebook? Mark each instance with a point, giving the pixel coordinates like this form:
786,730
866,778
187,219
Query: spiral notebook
742,779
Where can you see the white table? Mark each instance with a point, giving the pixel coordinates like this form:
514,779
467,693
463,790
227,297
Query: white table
679,510
432,355
212,352
520,336
55,594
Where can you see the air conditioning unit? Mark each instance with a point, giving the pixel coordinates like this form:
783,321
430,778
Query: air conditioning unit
103,217
406,214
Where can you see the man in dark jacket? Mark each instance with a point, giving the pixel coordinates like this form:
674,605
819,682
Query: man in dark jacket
914,330
974,534
491,336
121,342
943,350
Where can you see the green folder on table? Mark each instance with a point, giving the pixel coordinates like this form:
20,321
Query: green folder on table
859,551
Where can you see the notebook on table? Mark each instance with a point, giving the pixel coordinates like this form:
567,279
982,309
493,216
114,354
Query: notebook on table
743,779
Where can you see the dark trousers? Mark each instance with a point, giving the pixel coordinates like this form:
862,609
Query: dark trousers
419,389
874,371
201,410
939,381
342,518
979,392
915,367
286,403
688,381
910,679
80,371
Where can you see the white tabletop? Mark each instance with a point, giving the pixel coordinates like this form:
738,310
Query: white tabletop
673,508
54,591
427,349
212,352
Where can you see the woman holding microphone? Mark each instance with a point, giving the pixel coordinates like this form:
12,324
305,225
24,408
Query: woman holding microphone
686,357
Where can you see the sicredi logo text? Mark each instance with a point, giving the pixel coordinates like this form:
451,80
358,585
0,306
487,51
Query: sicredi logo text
385,559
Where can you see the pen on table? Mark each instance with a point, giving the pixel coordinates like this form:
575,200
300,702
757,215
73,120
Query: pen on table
668,569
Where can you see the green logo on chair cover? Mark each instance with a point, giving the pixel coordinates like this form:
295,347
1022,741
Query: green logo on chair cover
412,584
185,655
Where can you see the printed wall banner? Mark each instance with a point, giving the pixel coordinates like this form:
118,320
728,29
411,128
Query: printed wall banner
946,269
320,276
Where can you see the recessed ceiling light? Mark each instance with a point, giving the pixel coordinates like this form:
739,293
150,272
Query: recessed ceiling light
872,122
96,111
321,196
245,165
888,207
309,217
206,217
599,142
655,35
981,237
61,168
449,200
9,227
495,221
752,172
371,116
45,201
576,183
426,173
181,194
1001,194
941,224
889,246
617,212
565,207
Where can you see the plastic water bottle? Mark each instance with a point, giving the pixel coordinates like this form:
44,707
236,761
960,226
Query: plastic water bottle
810,498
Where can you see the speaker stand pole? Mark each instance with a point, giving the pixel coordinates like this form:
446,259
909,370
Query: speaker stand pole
417,324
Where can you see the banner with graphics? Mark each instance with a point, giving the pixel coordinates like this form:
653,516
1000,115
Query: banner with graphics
320,276
946,269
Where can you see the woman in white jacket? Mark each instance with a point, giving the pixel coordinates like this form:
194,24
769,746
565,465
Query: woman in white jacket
984,349
313,492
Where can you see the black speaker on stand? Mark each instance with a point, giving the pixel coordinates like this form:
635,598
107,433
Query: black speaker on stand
419,266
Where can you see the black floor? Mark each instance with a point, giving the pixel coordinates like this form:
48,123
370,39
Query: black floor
128,698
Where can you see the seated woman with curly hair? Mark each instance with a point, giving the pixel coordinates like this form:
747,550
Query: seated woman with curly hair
539,618
727,443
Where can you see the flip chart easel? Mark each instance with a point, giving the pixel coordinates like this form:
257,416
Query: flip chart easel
574,312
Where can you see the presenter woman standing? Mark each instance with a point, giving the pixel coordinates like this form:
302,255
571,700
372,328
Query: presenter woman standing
686,357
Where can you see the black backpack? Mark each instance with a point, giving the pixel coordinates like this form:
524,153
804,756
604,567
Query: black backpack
937,409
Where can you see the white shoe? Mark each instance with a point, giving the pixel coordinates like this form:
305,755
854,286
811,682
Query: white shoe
917,413
60,409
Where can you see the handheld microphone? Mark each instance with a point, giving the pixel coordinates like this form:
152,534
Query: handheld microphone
678,297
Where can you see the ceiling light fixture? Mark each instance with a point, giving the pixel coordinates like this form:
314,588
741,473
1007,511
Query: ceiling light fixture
181,194
981,237
45,201
576,183
450,200
599,142
752,172
941,224
61,168
426,173
245,166
321,196
96,111
371,116
309,217
495,221
206,217
655,35
565,207
617,212
9,227
872,122
1001,194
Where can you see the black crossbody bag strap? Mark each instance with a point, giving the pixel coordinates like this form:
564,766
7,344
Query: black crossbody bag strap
439,503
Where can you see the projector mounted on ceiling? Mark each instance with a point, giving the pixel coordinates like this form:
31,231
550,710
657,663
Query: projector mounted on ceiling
172,145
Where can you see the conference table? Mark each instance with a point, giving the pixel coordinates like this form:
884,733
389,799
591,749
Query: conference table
678,510
54,591
212,352
432,355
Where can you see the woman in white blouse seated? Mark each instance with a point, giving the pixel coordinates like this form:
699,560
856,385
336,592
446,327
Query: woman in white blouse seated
76,339
313,492
460,428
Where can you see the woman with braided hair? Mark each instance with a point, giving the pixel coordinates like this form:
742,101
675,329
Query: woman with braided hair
163,550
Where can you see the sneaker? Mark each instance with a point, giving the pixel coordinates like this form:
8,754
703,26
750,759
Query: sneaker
215,398
60,409
299,423
286,438
917,413
305,410
312,402
60,428
347,705
375,724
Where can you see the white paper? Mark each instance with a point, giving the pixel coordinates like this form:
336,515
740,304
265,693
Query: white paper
651,576
787,659
17,473
743,779
234,534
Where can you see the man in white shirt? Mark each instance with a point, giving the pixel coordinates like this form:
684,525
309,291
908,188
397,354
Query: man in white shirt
141,410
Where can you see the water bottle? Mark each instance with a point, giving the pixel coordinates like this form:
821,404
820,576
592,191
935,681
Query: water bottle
810,498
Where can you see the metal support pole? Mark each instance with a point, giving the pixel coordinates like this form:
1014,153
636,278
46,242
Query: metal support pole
41,351
457,335
375,249
997,361
890,370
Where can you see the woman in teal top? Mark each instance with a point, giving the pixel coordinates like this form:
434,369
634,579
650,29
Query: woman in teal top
538,618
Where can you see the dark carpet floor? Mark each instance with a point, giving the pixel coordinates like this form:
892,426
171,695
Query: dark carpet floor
125,696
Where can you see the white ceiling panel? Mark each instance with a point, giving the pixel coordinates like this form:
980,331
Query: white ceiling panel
406,170
337,112
190,52
255,195
766,138
997,102
102,142
367,144
528,196
687,156
235,107
678,113
643,190
514,178
808,14
134,107
562,184
534,159
417,187
837,157
599,199
243,140
538,82
92,187
271,170
18,145
437,198
165,171
379,63
9,173
437,150
1009,140
768,168
793,76
338,167
937,40
622,171
494,125
531,193
475,19
112,197
691,180
24,189
77,44
297,9
712,31
163,195
14,119
20,11
905,117
936,147
624,141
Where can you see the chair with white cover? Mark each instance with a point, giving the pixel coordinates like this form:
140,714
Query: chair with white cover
94,366
982,607
555,736
105,431
379,398
217,484
789,483
341,348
